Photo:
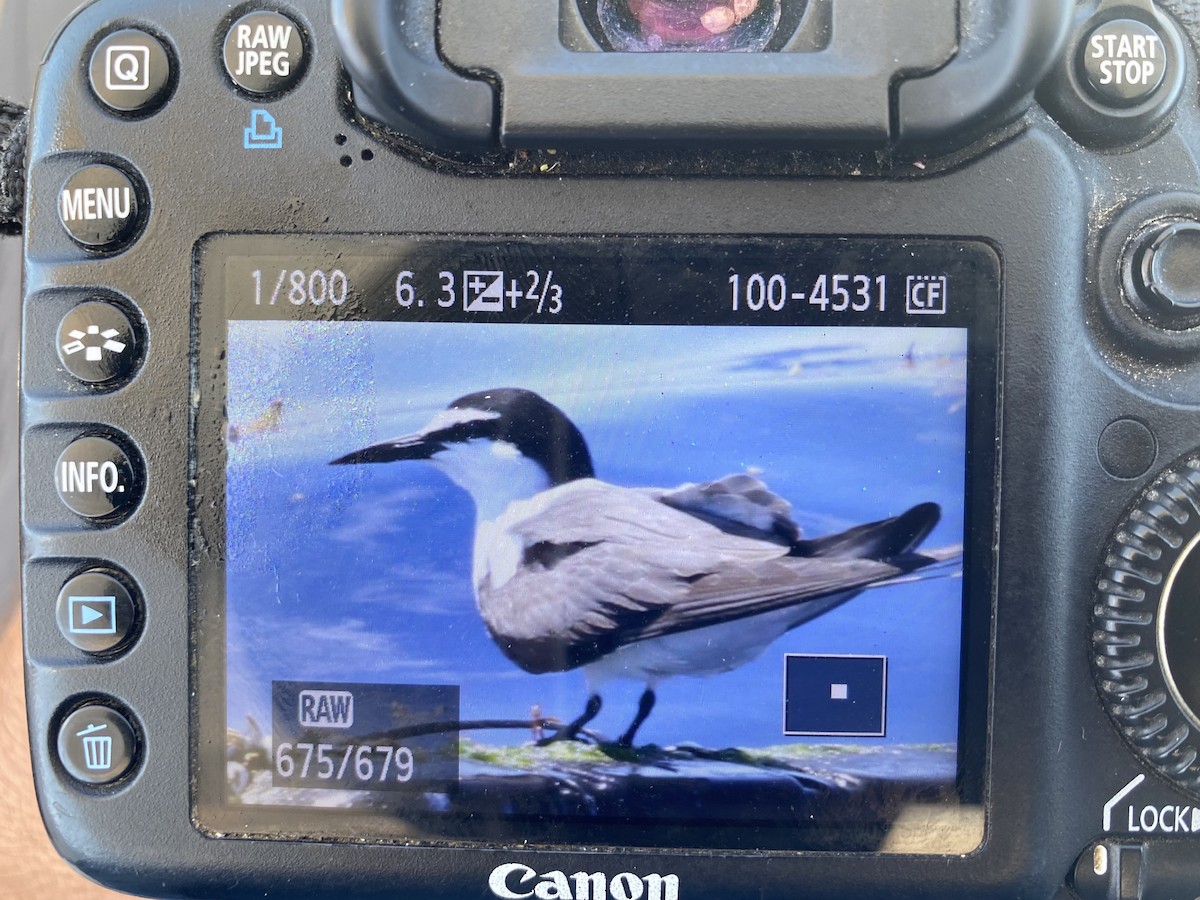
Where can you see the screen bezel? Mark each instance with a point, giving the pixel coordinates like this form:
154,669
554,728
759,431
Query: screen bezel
212,815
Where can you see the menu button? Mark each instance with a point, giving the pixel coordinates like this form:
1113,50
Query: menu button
99,207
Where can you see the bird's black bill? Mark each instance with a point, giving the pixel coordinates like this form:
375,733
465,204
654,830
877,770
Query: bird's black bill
414,447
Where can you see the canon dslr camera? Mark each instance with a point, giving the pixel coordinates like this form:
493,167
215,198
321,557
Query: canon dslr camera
616,449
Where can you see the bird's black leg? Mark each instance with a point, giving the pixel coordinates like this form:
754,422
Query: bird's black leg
571,731
645,705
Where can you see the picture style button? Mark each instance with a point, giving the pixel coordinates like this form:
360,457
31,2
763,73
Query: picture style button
96,612
96,479
97,343
1124,62
99,207
265,53
131,72
96,744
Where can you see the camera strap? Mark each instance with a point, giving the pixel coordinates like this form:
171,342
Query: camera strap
14,129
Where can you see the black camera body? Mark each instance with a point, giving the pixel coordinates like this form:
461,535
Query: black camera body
923,277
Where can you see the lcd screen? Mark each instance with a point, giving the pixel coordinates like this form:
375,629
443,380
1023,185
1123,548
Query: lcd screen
671,543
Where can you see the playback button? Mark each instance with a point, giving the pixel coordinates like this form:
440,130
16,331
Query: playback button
96,612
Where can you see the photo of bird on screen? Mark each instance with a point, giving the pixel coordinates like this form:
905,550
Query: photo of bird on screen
635,582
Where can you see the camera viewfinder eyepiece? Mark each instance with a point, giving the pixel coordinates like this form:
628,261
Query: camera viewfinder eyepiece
654,26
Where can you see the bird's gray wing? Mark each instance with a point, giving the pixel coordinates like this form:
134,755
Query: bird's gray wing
605,566
737,504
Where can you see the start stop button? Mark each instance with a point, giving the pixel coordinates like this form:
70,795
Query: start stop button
1124,62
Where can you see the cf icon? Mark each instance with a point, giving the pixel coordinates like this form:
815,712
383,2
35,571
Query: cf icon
127,68
926,295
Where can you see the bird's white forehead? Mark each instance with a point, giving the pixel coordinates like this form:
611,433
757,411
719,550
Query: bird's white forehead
448,418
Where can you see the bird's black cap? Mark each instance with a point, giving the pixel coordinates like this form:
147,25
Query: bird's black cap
537,428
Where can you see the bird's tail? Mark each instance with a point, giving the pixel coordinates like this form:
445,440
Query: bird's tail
889,540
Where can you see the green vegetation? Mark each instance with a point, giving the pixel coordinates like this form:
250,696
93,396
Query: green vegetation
531,758
528,756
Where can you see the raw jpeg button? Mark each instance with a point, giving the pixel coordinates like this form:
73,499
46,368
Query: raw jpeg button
96,479
99,208
1124,62
265,53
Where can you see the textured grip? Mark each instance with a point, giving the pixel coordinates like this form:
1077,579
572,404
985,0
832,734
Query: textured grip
14,129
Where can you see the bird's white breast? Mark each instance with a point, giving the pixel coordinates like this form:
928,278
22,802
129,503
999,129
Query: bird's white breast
506,487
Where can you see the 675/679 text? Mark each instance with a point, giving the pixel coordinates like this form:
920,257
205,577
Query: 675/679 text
353,766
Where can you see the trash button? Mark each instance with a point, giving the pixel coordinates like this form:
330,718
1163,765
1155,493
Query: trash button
96,744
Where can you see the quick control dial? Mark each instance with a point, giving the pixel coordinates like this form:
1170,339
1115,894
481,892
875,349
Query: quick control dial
1146,625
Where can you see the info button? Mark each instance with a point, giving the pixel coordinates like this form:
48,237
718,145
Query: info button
97,479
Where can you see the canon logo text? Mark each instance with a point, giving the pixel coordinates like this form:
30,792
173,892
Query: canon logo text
513,881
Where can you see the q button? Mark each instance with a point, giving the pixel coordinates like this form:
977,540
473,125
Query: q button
131,72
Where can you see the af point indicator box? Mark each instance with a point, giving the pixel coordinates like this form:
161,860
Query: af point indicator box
834,695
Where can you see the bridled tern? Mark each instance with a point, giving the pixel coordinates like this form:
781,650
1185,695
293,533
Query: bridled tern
639,583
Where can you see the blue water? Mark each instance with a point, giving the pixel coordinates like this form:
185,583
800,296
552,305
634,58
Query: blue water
362,573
